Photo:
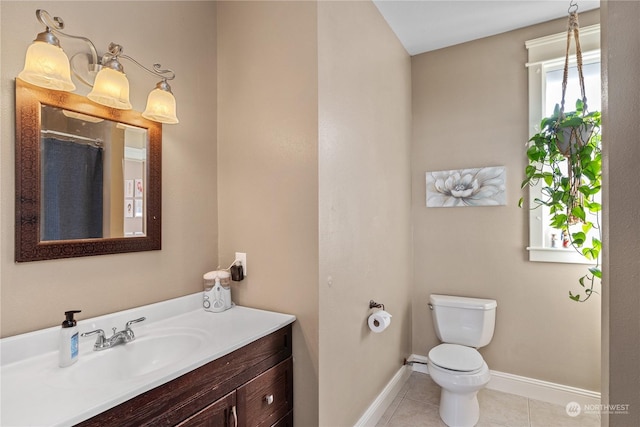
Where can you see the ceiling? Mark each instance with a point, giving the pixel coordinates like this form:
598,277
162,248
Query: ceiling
425,25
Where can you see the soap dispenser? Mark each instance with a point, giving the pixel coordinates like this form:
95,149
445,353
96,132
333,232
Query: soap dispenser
69,340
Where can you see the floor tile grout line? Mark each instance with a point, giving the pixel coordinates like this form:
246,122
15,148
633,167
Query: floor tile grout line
395,410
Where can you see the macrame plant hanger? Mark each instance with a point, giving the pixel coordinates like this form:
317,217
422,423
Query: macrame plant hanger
573,137
573,27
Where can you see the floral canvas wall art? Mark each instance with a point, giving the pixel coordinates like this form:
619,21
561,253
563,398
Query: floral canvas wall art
466,187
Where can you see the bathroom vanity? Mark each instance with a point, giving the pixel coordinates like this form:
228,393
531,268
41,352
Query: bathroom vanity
186,367
252,386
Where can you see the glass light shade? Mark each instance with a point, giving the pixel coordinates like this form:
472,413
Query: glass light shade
161,107
111,88
47,66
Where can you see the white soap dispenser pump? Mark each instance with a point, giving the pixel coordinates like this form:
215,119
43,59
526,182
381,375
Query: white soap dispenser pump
69,344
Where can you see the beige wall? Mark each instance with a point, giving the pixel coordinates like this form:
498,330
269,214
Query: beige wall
364,86
281,189
268,169
35,295
470,110
285,111
621,317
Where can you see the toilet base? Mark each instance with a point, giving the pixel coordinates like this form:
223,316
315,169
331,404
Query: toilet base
459,410
459,396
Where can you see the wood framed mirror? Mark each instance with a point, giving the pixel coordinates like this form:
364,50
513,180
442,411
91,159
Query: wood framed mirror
88,177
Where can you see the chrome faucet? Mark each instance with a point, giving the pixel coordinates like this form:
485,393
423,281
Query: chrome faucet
122,337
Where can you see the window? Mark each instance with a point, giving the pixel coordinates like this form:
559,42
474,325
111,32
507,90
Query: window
546,63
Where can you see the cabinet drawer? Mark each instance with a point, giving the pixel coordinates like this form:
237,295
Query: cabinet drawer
268,397
221,413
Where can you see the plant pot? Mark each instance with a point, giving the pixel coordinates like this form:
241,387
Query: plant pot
574,138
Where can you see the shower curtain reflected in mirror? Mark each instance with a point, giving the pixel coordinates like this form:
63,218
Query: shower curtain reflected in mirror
72,187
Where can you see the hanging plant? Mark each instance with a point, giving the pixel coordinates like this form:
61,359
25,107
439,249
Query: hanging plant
565,156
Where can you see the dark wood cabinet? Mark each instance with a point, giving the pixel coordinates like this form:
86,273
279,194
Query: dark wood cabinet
286,421
266,398
221,413
250,387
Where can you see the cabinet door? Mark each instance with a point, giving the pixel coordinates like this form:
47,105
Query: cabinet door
286,421
221,413
267,398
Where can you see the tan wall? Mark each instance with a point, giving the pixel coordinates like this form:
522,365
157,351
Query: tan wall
621,317
268,169
364,86
470,110
35,295
270,195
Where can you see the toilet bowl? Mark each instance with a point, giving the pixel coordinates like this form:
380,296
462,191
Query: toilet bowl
462,324
460,380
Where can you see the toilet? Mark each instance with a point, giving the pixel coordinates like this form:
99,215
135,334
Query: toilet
462,325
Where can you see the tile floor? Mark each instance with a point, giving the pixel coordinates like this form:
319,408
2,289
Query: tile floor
417,406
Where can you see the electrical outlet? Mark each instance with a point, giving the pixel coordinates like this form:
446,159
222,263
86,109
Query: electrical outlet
242,257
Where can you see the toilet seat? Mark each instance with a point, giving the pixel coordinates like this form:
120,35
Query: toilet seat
455,357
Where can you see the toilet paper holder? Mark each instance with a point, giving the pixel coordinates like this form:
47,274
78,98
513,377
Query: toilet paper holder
373,304
378,321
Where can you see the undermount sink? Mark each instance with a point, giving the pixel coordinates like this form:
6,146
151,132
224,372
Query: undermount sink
135,359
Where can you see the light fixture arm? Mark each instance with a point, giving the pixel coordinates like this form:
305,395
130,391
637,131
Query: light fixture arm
56,24
111,60
157,71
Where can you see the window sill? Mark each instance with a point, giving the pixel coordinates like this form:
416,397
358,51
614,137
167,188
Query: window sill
567,256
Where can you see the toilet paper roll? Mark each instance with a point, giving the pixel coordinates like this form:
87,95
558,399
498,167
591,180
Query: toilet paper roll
379,321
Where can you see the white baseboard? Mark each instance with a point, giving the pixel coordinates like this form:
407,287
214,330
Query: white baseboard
532,388
375,411
545,391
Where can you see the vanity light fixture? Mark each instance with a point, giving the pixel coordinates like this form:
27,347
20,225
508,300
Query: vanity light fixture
46,65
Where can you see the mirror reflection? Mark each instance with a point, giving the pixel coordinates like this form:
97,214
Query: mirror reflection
84,170
93,177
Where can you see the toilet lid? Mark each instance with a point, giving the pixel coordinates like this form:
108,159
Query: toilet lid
456,357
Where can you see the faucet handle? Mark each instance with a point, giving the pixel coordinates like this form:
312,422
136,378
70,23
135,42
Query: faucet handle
131,322
100,341
130,336
98,332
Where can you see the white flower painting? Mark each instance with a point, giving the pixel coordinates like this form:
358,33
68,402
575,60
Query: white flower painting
466,187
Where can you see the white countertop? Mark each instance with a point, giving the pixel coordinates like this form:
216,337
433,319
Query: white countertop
36,392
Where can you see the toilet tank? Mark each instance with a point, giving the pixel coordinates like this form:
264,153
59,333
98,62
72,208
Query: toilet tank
463,320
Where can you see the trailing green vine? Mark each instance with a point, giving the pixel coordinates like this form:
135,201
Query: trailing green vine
566,158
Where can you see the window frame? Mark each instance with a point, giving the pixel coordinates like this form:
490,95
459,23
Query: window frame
545,53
